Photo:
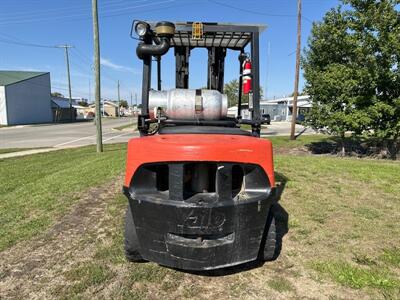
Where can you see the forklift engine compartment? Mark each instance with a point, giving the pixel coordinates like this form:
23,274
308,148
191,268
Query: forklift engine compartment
200,189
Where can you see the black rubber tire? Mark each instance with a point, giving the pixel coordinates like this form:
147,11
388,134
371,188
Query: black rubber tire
273,239
131,241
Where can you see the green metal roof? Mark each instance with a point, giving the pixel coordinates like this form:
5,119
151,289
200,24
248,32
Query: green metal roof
10,77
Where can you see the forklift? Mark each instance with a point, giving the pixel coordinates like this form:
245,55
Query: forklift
200,189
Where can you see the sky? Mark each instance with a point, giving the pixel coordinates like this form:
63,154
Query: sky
29,30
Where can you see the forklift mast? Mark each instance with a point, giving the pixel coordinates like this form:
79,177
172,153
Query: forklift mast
216,38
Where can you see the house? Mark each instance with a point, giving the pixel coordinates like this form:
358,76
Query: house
25,97
244,112
62,110
281,109
108,108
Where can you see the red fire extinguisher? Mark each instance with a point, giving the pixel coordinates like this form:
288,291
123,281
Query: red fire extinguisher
247,76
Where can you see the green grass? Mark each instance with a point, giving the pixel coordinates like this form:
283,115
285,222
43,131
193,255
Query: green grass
343,211
245,127
391,257
36,189
80,277
343,229
358,277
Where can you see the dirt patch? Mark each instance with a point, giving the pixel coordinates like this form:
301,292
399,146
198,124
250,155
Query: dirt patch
292,151
25,267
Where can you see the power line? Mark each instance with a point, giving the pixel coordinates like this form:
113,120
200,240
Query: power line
241,9
84,16
56,12
78,53
15,41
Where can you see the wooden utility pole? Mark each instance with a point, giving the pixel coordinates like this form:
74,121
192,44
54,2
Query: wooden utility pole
66,47
119,102
296,79
90,92
131,99
99,138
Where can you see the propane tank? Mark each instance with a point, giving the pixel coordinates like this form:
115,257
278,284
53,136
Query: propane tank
247,76
189,104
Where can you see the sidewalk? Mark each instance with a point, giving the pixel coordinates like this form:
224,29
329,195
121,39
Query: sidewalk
27,152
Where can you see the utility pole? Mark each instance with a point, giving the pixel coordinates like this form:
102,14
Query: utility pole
267,71
119,102
90,92
66,47
136,105
296,79
131,99
99,138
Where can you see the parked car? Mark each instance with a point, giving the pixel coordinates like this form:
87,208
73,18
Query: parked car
266,118
300,119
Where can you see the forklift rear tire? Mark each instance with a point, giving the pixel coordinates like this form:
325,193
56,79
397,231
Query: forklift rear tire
131,241
273,239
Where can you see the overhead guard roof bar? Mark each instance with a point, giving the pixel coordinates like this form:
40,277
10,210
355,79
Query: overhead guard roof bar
224,35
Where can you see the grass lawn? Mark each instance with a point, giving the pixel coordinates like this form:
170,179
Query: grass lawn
37,189
343,240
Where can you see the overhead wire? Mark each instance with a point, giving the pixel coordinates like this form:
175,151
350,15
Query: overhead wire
13,40
87,15
242,9
54,12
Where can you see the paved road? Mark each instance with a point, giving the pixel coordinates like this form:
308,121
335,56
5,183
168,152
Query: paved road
283,128
63,135
84,133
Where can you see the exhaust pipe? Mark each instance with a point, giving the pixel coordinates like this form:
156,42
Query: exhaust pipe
164,32
144,49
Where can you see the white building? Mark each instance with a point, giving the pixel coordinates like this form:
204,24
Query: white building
281,109
24,97
244,111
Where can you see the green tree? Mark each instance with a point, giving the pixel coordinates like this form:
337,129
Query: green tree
302,93
351,67
124,103
83,103
231,89
57,94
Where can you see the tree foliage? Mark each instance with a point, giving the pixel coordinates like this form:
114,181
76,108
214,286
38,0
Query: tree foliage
57,94
83,103
124,103
231,89
352,72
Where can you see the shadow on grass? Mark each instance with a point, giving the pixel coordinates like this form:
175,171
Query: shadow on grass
282,227
357,146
